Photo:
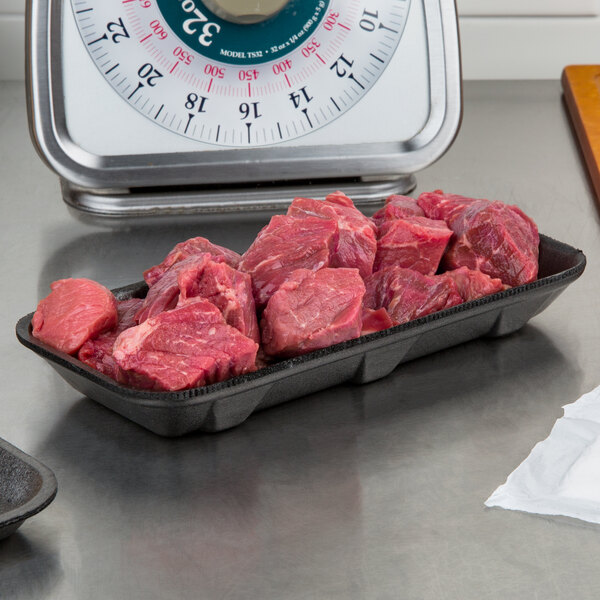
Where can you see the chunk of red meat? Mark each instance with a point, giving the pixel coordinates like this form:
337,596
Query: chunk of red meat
375,320
413,242
491,237
474,284
97,352
228,289
339,198
357,244
397,207
191,247
447,207
408,294
74,311
313,310
164,294
284,245
186,347
205,276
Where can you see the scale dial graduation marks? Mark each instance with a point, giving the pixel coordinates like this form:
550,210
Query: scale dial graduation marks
171,107
232,84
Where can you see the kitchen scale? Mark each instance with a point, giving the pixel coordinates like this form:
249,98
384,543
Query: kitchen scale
168,108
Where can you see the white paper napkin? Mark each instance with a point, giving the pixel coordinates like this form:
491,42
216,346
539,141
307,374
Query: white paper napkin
561,475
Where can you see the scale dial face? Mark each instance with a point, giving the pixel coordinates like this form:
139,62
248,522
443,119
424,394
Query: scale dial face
231,83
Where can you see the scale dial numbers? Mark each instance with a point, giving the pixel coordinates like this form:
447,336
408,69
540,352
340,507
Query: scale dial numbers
241,85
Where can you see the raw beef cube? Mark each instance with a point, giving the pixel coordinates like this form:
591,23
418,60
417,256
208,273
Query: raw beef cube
188,346
97,353
474,284
339,198
191,247
447,207
205,276
408,294
414,243
375,320
126,310
397,207
228,289
284,245
313,310
491,237
357,244
74,311
164,294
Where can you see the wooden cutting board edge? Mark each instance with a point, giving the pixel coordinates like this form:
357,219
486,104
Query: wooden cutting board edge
581,88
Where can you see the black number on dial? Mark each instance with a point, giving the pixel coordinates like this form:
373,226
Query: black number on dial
193,99
300,96
341,67
249,109
118,30
369,20
149,73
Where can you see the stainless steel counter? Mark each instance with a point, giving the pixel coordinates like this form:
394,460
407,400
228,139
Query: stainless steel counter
372,492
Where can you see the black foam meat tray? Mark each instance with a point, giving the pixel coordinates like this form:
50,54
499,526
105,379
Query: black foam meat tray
223,405
26,487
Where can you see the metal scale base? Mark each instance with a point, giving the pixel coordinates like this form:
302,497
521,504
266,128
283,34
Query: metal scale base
132,207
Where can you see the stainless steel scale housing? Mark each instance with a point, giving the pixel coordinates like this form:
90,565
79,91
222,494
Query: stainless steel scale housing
166,108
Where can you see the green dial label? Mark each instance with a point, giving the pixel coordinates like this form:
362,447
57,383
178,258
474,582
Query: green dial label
221,40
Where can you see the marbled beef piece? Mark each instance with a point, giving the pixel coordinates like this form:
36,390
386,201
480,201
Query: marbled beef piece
339,198
208,277
474,284
164,294
413,242
228,289
408,294
313,310
447,207
375,320
97,353
397,207
284,245
75,311
186,347
191,247
491,237
357,244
